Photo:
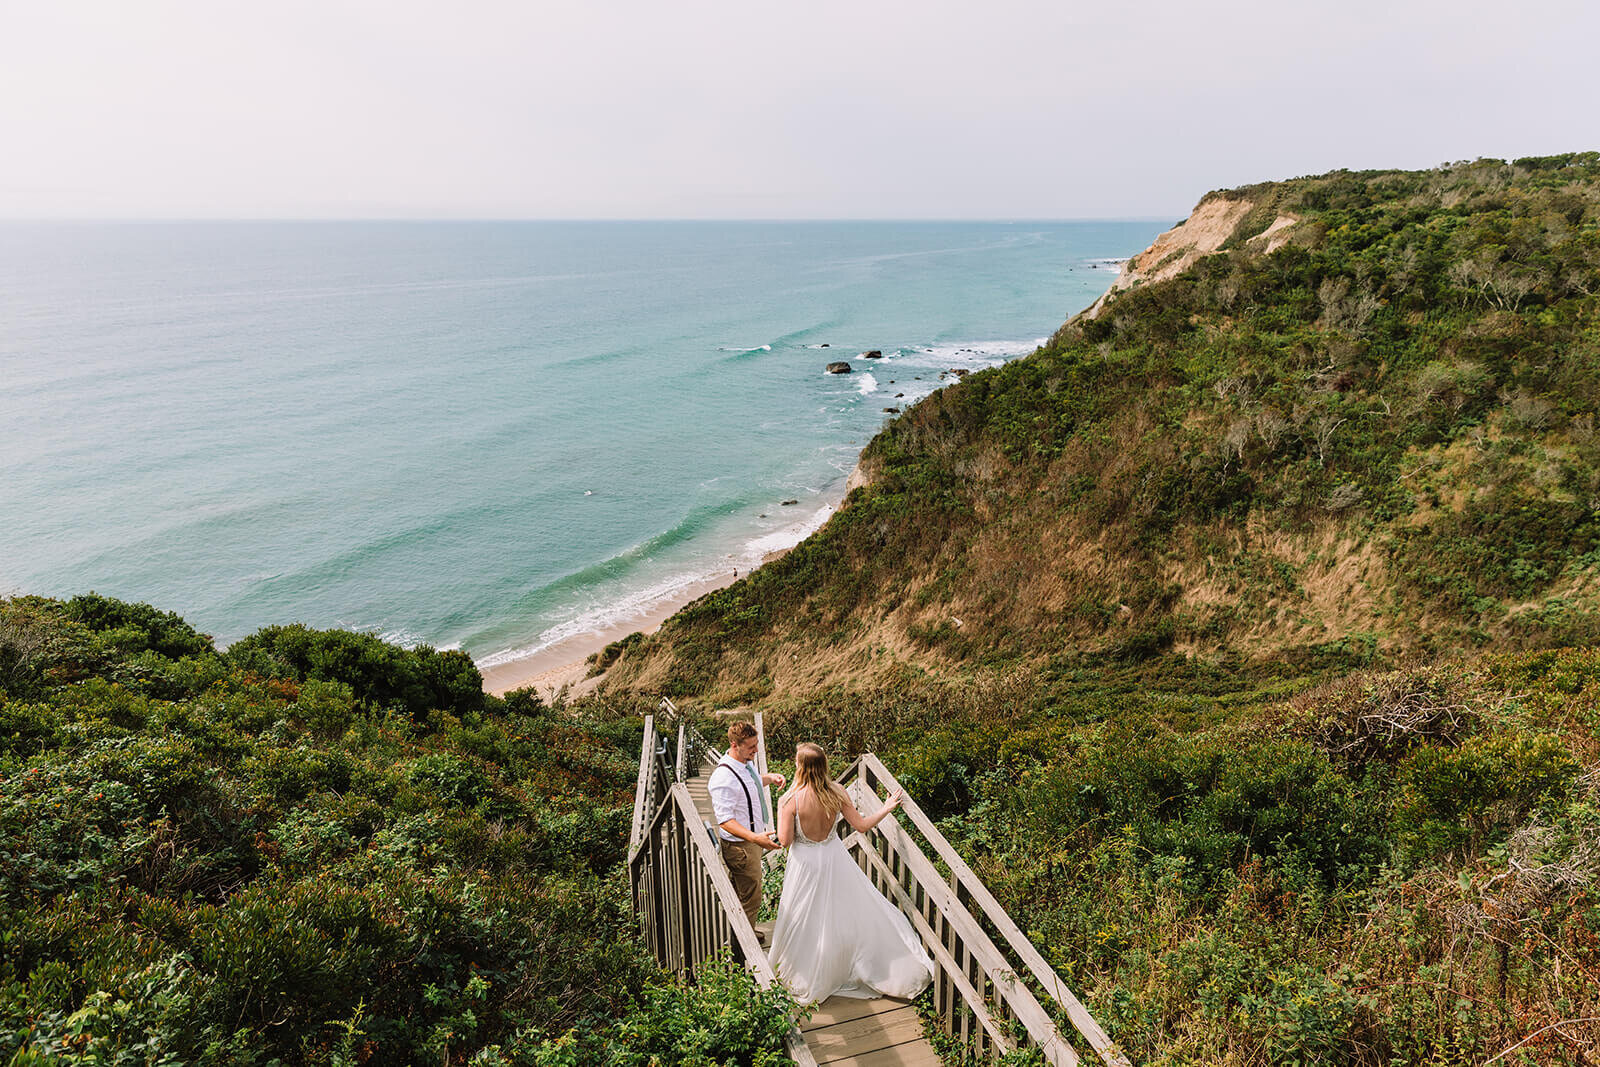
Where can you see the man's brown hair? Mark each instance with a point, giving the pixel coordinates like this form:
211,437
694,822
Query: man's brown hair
738,731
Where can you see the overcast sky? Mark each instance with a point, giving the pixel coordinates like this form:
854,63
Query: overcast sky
759,109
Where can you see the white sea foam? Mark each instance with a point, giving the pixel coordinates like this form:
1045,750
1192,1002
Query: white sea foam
611,610
402,637
640,604
631,607
1115,266
744,348
757,548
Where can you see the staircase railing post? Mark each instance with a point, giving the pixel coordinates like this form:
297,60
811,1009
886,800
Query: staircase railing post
641,791
682,827
760,767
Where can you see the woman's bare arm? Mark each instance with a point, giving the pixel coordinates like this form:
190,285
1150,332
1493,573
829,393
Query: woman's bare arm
863,823
786,821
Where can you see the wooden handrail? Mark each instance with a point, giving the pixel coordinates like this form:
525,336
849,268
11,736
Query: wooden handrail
870,766
976,942
641,789
936,949
761,771
681,771
744,934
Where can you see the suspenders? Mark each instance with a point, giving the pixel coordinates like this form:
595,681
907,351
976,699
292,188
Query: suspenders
749,803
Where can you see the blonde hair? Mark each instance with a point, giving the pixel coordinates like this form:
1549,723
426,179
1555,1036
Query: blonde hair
811,771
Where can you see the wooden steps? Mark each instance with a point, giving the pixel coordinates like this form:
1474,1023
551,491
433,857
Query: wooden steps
868,1033
846,1031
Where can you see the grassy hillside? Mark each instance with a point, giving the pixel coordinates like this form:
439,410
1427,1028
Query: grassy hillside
317,848
1391,867
1244,636
1378,439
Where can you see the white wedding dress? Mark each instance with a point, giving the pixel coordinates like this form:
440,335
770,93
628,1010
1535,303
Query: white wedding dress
836,935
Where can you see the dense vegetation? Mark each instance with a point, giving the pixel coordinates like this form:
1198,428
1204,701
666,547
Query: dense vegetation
1390,867
1244,636
317,848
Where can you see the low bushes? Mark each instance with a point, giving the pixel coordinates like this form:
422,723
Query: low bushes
319,849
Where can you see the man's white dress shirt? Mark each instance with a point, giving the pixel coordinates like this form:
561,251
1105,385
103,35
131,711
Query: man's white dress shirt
736,793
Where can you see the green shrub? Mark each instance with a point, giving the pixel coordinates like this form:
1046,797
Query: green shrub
1453,800
451,779
130,628
723,1019
419,680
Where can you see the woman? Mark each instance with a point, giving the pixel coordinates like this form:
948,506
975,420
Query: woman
835,934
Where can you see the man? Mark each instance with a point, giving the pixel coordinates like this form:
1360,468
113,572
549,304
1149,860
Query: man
740,806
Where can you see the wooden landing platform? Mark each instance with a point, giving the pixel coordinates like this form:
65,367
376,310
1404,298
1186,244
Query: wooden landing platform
846,1031
868,1033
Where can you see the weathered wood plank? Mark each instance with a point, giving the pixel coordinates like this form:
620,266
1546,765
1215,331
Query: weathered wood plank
910,1054
843,1041
843,1009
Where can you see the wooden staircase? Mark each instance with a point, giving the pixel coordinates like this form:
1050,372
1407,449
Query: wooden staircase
991,986
843,1030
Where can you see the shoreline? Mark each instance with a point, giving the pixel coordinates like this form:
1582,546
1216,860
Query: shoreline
564,664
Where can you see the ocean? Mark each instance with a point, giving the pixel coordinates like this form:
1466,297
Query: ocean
481,435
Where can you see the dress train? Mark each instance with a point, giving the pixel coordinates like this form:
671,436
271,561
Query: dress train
836,935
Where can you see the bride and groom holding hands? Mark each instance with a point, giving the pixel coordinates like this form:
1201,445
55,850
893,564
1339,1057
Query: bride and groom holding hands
835,934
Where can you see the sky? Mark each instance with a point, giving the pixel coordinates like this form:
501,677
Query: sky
992,109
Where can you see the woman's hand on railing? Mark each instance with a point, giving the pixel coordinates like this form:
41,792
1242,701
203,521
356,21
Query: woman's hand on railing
865,823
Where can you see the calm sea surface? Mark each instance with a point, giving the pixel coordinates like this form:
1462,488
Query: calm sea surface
485,435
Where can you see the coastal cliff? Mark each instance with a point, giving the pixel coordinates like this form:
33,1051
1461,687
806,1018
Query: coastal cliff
1210,227
1334,420
1248,634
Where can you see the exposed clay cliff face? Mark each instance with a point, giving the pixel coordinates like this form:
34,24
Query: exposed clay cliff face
1275,236
1205,231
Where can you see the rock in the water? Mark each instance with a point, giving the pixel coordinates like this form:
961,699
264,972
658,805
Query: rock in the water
839,368
788,503
960,372
876,353
892,411
824,345
897,396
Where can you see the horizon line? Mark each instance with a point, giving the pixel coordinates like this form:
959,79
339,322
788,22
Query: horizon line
169,219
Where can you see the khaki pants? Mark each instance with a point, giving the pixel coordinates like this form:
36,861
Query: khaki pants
743,859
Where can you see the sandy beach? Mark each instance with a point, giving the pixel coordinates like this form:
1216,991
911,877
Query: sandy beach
565,663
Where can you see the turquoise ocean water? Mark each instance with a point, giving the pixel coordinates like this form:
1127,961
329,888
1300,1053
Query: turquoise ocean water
481,435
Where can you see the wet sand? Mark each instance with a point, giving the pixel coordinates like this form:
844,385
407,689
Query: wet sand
565,662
